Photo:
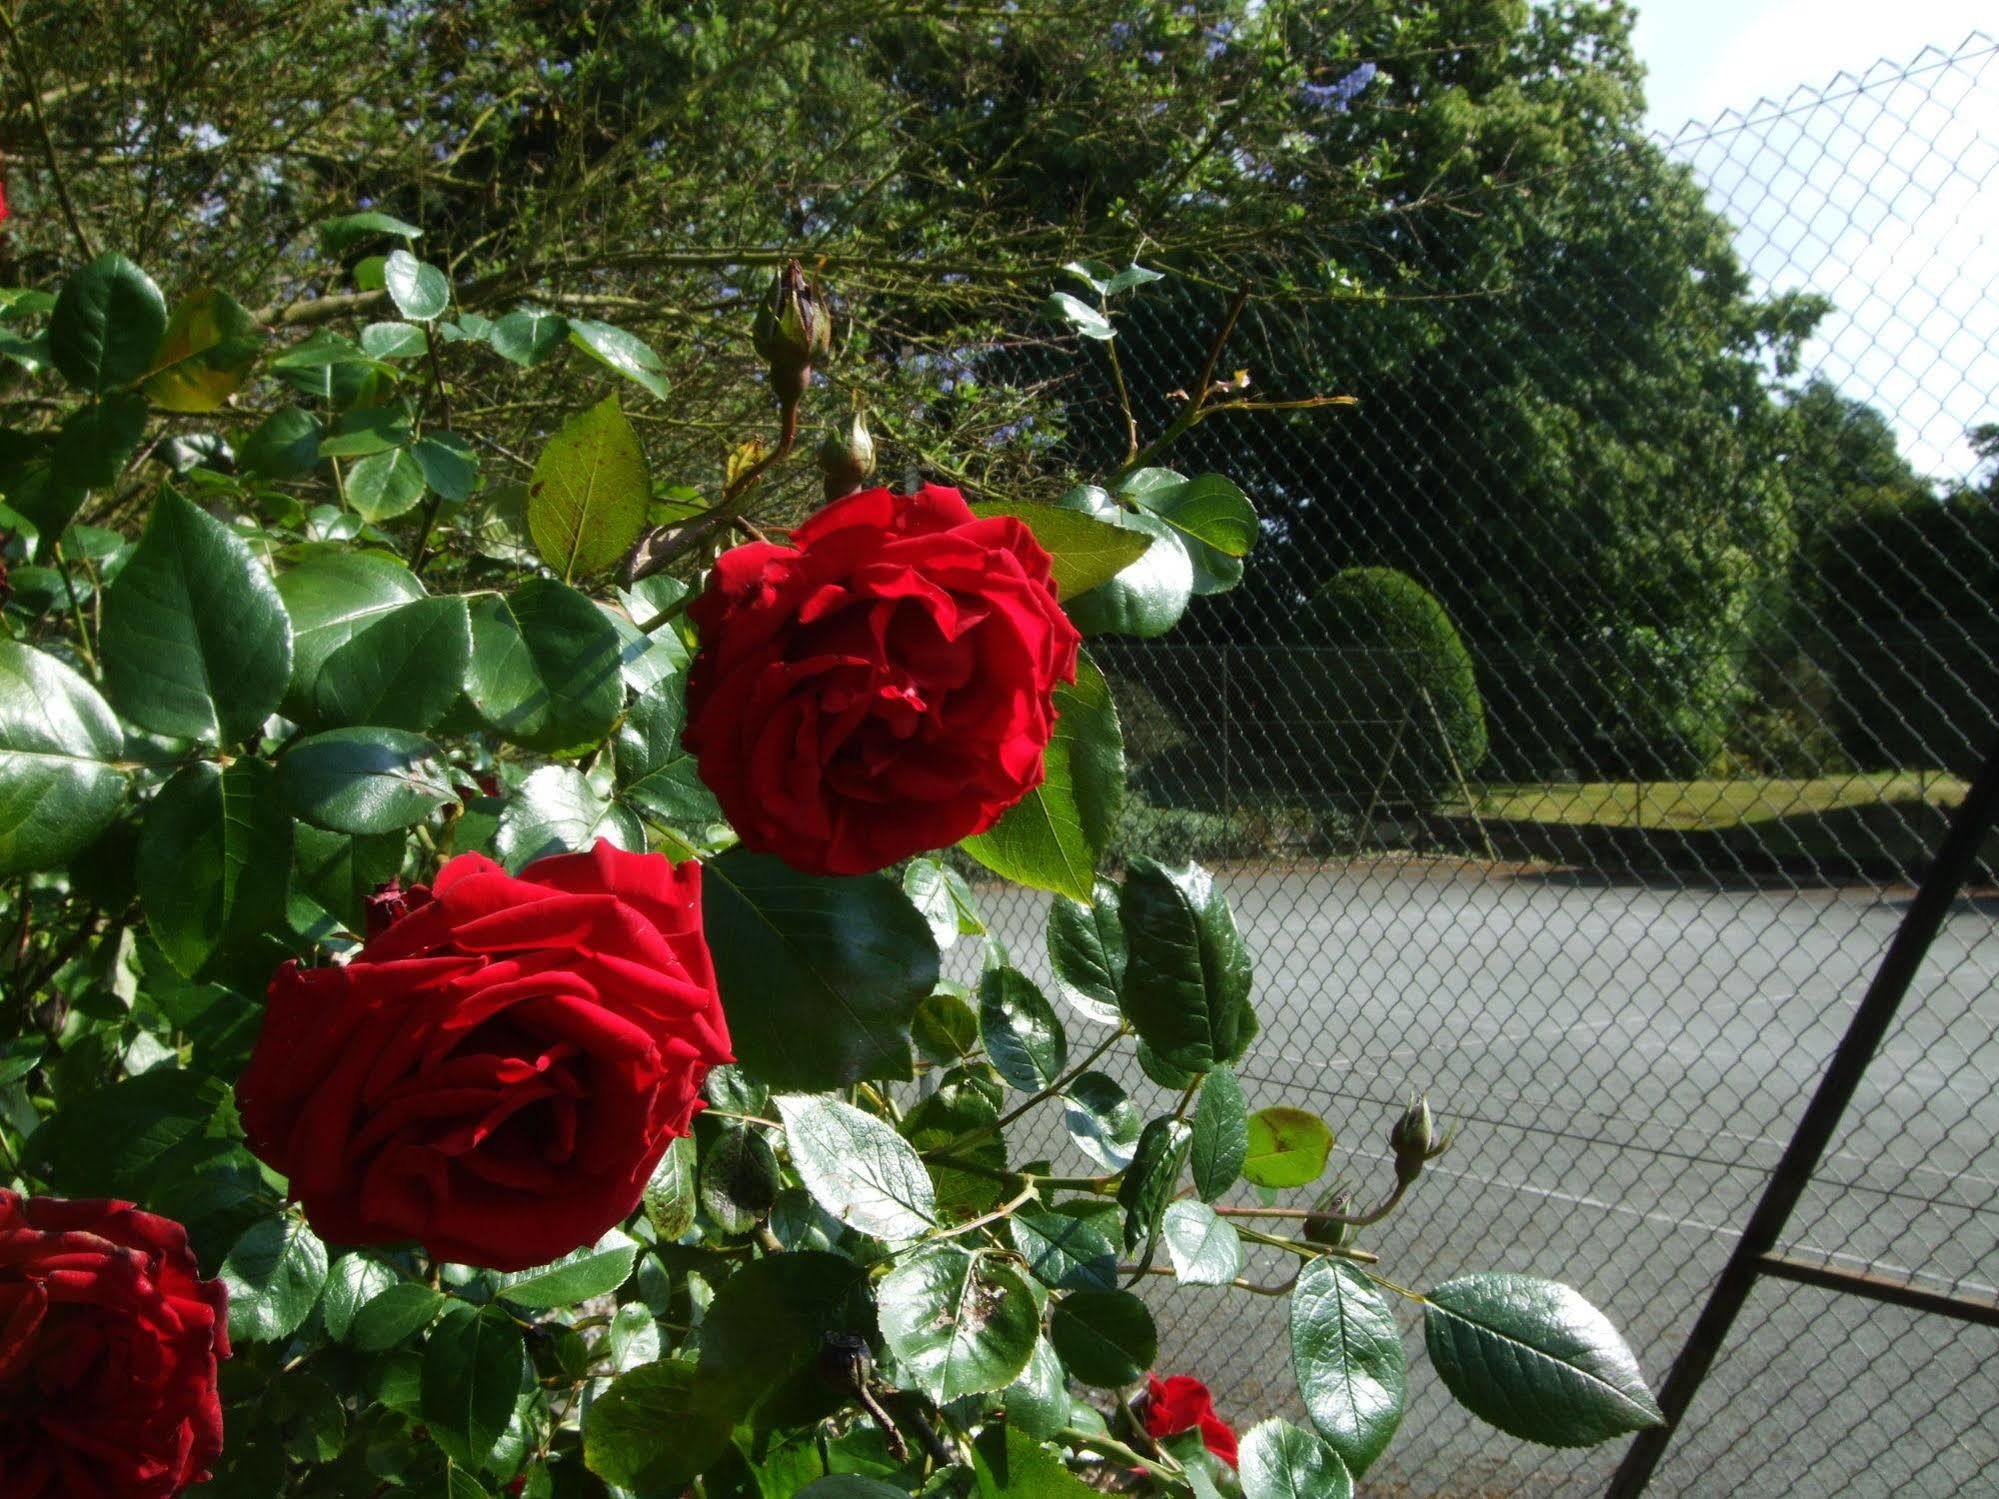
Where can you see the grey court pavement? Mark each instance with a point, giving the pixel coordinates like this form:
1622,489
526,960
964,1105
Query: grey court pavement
1624,1061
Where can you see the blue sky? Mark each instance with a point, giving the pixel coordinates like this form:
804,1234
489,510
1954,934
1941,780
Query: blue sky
1885,199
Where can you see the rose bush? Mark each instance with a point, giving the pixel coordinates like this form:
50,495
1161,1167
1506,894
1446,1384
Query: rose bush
109,1340
393,858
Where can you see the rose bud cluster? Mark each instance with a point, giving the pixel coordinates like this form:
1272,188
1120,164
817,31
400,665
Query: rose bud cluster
880,687
793,331
499,1070
109,1340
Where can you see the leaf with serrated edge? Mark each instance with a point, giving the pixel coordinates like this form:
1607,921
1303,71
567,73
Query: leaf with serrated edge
1347,1354
859,1170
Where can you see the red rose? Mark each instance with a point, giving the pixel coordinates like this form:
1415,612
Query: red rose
1182,1403
109,1339
882,686
497,1073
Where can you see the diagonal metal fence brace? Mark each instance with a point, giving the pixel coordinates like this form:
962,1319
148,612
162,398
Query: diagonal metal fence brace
1755,1253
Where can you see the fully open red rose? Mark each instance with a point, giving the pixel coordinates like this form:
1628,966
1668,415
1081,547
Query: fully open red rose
500,1069
880,687
108,1344
1182,1403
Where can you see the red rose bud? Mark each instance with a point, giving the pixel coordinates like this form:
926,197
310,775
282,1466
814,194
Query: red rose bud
847,458
109,1340
793,331
1182,1403
391,903
497,1073
882,686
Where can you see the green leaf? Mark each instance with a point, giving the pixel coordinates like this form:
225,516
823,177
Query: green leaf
1024,1039
1092,273
96,442
1221,1134
655,1429
1009,1463
384,485
213,853
1152,1178
1148,597
125,1139
394,341
858,1168
473,1364
397,1314
108,320
1287,1147
1187,979
1132,275
364,780
419,290
850,1486
1105,1338
19,1057
205,354
1037,1403
333,369
634,1336
946,1029
1063,1252
669,1199
333,597
274,1275
594,1270
1080,316
765,1332
545,671
944,1118
959,1323
59,743
1535,1359
448,464
402,669
196,643
352,1283
1104,1123
1086,551
361,434
337,234
739,1178
628,354
1086,949
941,894
339,871
1278,1461
1052,838
1205,1248
528,336
285,445
820,976
587,501
1347,1353
1212,517
557,811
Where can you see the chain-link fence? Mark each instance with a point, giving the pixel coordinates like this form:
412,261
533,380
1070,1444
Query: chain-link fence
1605,863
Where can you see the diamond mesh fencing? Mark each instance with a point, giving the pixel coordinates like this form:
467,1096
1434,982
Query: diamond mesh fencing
1604,863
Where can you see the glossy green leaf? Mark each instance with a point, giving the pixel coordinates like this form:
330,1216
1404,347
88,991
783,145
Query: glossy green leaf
1205,1248
473,1364
333,369
213,852
959,1323
396,1315
1146,599
128,1139
820,976
739,1178
96,442
545,668
274,1275
946,1028
1023,1036
352,1282
656,772
384,485
587,500
1187,978
1009,1463
1064,1253
1087,951
944,898
669,1200
941,1122
1347,1353
1287,1147
594,1270
59,743
655,1429
858,1168
1080,316
1102,1120
337,234
635,1337
419,290
1085,551
765,1333
108,319
333,597
1152,1178
1536,1359
196,643
364,780
448,464
402,671
627,353
285,445
394,341
1212,517
1053,837
1278,1461
557,811
362,434
528,336
1105,1338
339,871
205,354
1221,1134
